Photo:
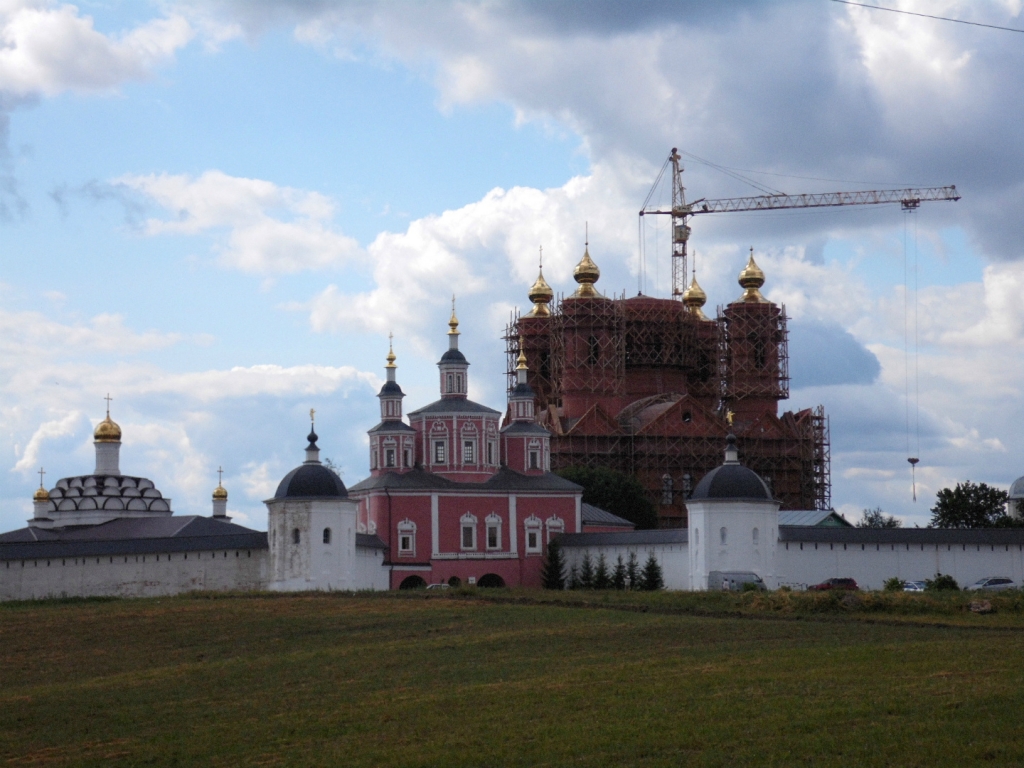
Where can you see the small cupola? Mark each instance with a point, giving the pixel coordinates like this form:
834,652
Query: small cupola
107,439
312,451
586,274
541,293
751,279
390,394
220,497
453,364
694,299
521,397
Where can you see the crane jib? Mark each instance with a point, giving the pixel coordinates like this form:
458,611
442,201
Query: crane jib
908,197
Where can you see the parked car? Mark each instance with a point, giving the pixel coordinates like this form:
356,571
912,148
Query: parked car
734,581
993,584
842,583
913,586
439,585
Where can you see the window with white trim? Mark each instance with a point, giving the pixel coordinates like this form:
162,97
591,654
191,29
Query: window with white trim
555,526
469,451
493,532
467,531
407,458
450,383
534,459
532,525
458,382
439,451
389,457
407,538
490,452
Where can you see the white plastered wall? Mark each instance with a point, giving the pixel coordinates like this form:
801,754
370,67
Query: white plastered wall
671,557
749,543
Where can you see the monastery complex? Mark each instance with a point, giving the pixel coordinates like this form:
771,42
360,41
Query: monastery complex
461,493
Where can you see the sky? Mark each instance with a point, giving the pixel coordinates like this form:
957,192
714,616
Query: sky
217,212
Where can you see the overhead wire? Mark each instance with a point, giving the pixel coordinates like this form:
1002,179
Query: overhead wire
928,16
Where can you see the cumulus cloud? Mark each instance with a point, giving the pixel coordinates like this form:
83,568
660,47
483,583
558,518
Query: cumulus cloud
25,333
48,430
49,48
267,229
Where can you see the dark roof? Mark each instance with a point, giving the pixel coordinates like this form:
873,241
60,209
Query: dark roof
390,388
311,480
932,536
130,536
454,405
731,481
522,389
504,479
370,541
525,428
453,356
392,426
823,517
625,538
596,516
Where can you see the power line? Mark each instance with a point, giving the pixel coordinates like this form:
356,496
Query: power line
928,16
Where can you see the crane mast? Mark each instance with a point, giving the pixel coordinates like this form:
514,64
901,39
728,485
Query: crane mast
681,211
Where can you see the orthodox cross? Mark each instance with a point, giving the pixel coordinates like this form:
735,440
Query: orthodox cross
542,257
41,473
312,415
108,398
220,475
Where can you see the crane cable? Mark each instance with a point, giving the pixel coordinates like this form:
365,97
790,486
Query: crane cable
912,459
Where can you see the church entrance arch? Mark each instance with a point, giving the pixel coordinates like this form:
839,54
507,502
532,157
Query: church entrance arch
413,582
454,581
490,580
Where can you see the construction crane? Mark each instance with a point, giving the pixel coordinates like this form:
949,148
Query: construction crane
681,211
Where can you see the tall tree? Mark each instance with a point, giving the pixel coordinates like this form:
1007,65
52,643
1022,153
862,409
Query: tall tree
553,575
876,518
614,492
971,505
652,578
632,571
619,574
602,580
586,572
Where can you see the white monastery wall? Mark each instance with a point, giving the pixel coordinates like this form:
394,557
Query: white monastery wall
302,558
804,563
149,575
672,558
370,571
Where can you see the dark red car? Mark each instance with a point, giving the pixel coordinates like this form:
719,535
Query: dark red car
849,584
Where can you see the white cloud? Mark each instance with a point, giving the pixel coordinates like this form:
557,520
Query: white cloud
47,430
25,333
269,229
257,481
46,48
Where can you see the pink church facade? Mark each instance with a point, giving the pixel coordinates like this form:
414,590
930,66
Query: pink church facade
456,496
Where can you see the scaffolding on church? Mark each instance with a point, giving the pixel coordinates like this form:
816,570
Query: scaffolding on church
643,354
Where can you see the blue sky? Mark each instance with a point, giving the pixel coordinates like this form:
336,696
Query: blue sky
217,211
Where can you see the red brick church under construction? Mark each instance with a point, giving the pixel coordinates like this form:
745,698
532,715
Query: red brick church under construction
652,387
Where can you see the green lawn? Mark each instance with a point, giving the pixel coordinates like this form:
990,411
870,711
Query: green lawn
399,680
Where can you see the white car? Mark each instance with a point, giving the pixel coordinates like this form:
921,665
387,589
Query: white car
993,583
913,586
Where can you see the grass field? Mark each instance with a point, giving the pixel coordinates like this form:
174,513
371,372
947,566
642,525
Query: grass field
459,680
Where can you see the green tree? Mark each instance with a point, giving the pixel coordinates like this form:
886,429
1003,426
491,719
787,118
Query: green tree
876,518
632,572
651,578
619,574
586,572
895,584
614,492
971,505
574,577
941,581
553,575
602,579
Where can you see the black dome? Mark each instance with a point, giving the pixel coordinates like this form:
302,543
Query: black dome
390,388
453,356
522,390
312,480
731,481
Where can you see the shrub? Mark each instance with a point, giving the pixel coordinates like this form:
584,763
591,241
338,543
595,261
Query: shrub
553,575
895,584
601,578
651,577
942,581
586,572
619,574
633,572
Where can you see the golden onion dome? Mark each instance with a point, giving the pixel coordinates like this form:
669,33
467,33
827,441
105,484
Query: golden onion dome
751,279
453,322
41,494
694,298
541,295
521,360
586,274
391,358
220,493
107,431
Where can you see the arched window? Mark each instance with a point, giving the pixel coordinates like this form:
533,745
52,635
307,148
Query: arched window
450,383
595,350
723,534
295,535
696,537
756,534
458,382
327,535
